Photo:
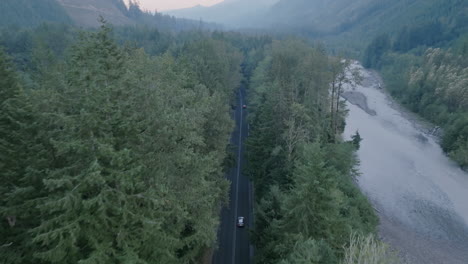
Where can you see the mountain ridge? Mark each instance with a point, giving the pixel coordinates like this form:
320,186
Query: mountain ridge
87,12
348,21
234,13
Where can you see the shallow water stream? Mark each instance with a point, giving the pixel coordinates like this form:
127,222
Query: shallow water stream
421,196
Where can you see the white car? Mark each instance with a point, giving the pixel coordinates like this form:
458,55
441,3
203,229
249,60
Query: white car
240,221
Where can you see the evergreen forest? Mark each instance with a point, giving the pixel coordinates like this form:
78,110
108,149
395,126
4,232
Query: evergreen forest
115,140
308,205
111,155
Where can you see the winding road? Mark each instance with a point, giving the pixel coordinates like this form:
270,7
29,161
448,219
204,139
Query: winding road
233,242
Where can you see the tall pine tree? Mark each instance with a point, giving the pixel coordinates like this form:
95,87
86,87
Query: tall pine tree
16,140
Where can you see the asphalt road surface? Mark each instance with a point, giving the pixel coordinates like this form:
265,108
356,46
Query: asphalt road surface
233,242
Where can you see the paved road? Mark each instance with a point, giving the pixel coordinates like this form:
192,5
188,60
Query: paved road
233,242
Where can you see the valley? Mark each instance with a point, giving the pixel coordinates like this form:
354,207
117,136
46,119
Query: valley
266,132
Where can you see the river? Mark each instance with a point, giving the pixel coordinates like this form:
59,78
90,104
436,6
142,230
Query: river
420,195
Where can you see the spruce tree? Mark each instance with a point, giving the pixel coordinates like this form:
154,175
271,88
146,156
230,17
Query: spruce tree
315,183
310,252
16,137
356,140
9,124
94,206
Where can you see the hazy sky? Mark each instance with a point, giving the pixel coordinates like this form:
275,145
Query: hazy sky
162,5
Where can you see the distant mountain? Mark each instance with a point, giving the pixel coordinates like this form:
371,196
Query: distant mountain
31,12
364,18
83,13
86,12
237,13
320,16
360,20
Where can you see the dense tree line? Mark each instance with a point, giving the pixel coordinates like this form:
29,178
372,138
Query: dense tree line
166,22
435,86
307,205
350,26
110,155
438,89
31,13
25,44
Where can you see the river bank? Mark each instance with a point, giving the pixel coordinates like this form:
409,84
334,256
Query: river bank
421,196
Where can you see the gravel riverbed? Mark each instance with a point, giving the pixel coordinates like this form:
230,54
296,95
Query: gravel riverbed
421,196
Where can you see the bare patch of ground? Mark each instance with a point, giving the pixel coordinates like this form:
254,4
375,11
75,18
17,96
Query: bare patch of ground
358,99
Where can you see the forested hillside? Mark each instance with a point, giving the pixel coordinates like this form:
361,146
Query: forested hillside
350,25
319,16
86,12
31,13
425,66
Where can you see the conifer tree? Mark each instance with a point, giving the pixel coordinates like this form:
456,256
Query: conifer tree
93,204
10,123
315,183
16,135
310,252
356,140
